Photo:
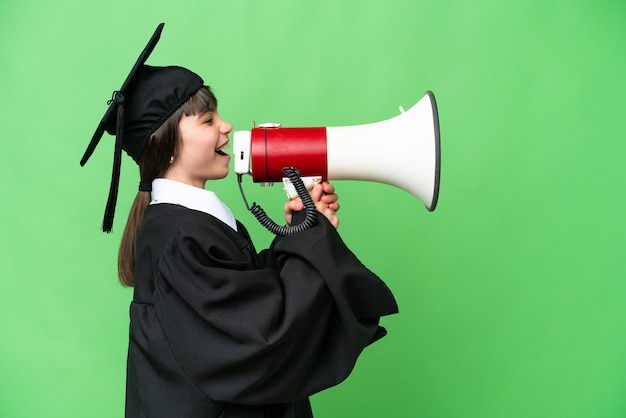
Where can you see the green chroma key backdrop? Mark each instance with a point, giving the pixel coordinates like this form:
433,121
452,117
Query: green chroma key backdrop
512,293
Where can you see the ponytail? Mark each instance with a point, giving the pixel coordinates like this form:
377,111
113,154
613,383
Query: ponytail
126,256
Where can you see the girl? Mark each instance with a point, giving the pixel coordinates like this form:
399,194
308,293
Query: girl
217,330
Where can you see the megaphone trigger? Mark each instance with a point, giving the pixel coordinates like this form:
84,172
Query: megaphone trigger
308,181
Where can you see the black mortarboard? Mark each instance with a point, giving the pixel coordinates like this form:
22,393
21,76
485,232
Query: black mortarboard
147,98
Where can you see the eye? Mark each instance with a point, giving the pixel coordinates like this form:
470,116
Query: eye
209,121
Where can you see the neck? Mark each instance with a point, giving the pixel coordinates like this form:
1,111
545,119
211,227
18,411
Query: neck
176,175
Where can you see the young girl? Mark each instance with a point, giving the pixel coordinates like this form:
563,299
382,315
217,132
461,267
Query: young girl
217,330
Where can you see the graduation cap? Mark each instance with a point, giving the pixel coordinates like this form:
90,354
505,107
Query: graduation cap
148,96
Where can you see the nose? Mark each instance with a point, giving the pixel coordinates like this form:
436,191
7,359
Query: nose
226,127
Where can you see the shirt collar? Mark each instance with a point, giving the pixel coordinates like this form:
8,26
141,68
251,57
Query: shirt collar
170,191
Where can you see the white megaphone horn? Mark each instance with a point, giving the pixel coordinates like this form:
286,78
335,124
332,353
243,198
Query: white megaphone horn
403,151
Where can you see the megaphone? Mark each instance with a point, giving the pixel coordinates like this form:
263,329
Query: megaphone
403,151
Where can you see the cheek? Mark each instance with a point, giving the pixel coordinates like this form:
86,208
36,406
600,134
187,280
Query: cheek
201,157
195,148
199,148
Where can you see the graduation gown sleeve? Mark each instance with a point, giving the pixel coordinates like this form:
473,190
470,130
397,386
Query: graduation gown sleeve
274,332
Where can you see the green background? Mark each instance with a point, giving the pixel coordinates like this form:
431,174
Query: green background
512,293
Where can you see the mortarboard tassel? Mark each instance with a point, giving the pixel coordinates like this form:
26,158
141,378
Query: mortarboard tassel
109,212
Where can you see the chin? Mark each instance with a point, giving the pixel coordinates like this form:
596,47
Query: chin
218,176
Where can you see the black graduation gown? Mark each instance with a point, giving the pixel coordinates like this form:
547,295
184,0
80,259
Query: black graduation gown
219,331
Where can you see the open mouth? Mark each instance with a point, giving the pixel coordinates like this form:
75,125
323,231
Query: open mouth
220,150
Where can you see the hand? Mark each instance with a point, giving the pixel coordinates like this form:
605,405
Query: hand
325,200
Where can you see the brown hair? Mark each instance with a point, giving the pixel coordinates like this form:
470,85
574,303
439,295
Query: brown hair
153,163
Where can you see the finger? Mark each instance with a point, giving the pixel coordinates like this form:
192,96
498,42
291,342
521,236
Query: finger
334,207
294,205
329,214
332,218
290,207
317,192
328,188
330,198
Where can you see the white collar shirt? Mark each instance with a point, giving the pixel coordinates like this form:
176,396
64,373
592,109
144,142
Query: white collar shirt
173,192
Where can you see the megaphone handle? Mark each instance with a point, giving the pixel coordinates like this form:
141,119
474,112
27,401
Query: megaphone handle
309,208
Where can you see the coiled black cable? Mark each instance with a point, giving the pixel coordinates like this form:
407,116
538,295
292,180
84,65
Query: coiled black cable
309,207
